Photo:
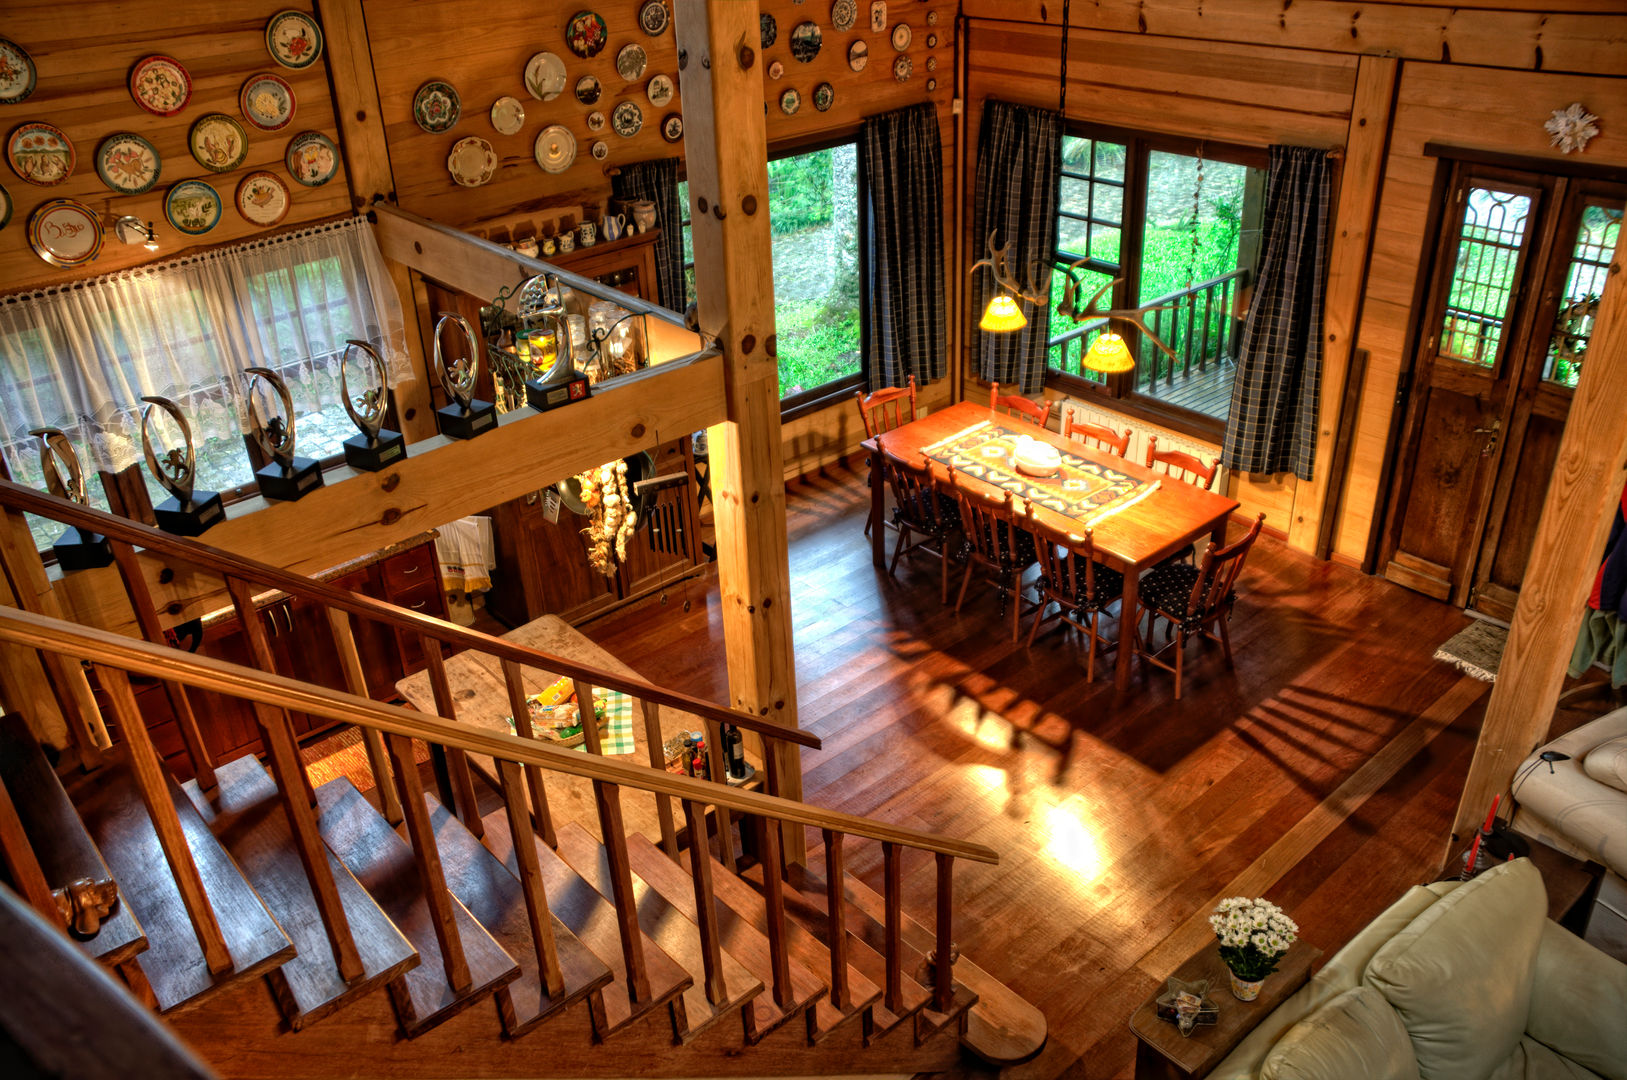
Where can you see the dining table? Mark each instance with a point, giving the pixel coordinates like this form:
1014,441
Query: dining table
1143,517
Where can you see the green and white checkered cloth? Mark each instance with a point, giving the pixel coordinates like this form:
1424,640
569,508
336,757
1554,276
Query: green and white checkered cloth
617,734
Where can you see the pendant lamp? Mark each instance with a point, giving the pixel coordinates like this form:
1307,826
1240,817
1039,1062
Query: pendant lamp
1003,314
1109,355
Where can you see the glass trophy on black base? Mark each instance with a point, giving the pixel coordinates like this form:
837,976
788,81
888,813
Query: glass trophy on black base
285,476
376,446
186,512
76,549
545,331
466,416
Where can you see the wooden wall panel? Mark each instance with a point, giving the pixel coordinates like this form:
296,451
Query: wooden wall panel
84,53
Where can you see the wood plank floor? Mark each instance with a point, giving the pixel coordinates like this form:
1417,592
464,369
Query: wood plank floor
1322,771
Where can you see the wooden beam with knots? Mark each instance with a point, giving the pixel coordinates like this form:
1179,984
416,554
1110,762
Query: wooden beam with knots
1079,313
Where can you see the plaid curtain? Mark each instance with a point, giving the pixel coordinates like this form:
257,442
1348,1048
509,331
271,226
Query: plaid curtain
903,168
1019,175
1272,427
658,182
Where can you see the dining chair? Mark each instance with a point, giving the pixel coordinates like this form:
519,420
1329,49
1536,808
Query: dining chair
995,543
1081,588
883,410
1196,601
1181,465
920,510
1034,412
1096,435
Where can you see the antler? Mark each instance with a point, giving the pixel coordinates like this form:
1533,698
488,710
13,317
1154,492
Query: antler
1081,312
996,262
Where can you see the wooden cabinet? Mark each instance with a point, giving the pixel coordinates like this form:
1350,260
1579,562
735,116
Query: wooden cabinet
627,264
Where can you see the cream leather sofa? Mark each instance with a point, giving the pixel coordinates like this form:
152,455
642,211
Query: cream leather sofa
1452,982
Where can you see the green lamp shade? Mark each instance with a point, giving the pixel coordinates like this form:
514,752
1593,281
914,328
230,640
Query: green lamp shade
1003,314
1109,355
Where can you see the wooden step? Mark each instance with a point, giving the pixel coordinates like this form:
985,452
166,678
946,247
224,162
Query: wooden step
494,896
670,927
384,865
65,851
173,964
592,918
248,817
738,934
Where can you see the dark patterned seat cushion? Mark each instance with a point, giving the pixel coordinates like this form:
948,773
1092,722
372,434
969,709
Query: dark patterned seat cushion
948,517
1168,588
1109,587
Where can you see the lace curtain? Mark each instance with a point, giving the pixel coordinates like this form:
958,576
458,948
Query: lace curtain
82,356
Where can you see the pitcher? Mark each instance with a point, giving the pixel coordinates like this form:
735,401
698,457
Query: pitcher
614,226
643,214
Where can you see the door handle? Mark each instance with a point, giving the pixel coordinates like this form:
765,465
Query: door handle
1491,434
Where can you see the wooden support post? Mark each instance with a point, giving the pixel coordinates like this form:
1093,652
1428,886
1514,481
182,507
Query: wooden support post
536,894
541,819
1584,490
836,905
344,642
427,854
727,159
457,762
700,867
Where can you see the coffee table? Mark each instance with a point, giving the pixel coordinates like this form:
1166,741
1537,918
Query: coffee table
1161,1050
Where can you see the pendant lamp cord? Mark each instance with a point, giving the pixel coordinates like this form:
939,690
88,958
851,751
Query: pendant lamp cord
1062,92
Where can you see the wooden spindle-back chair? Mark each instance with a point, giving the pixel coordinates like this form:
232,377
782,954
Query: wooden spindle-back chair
883,410
996,543
1181,465
920,510
1096,435
1196,601
1071,578
1034,412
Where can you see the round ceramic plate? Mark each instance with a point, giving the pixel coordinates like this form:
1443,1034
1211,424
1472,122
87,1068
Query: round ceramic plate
805,41
659,91
775,70
263,199
472,161
932,63
294,39
627,119
160,85
545,76
824,96
127,163
588,89
672,128
843,14
267,102
653,17
858,55
65,232
878,16
555,149
903,68
902,36
40,153
192,207
585,34
600,150
932,18
790,102
507,115
932,41
630,62
931,85
17,75
312,158
436,106
768,31
218,142
5,207
596,120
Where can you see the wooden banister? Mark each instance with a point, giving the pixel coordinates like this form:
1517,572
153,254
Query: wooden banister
426,854
892,897
943,955
607,798
531,884
836,905
350,661
700,869
541,820
465,805
779,955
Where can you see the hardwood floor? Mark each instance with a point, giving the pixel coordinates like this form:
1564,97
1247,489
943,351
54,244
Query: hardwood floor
1323,771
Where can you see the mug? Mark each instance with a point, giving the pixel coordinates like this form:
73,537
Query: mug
643,213
527,247
567,243
548,246
587,233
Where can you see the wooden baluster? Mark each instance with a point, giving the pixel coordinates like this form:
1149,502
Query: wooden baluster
22,865
836,904
141,602
719,763
344,641
536,894
155,794
658,761
700,869
466,806
298,799
768,849
541,820
428,857
584,713
608,799
1208,316
893,900
943,974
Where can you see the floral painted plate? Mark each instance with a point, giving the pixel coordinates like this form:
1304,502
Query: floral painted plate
40,153
312,158
659,91
17,75
596,120
672,128
160,85
775,70
586,34
600,150
858,55
653,17
903,68
902,36
5,207
294,39
843,14
218,142
631,62
436,106
263,199
588,89
768,31
627,119
472,161
555,149
267,101
507,115
192,207
65,232
545,76
824,96
127,163
805,41
790,102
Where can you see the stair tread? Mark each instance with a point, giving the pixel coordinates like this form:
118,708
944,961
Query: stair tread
173,963
384,865
592,918
670,926
247,816
60,841
494,896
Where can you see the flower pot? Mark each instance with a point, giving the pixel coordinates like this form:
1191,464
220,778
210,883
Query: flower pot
1243,989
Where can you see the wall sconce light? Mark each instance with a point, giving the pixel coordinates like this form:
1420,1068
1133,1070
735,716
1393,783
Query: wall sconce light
132,230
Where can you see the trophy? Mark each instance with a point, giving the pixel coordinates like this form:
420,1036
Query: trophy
285,476
186,512
76,549
545,324
466,415
376,446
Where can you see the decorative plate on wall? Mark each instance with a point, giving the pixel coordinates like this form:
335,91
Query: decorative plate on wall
601,150
627,119
436,106
858,55
596,120
40,153
776,69
805,41
932,63
902,36
507,115
843,14
17,75
218,142
586,34
932,41
312,158
768,31
672,128
472,161
160,85
294,39
545,76
790,102
192,207
903,68
5,207
659,91
824,96
263,199
127,163
267,101
555,149
878,16
931,85
588,89
65,232
653,17
630,62
932,18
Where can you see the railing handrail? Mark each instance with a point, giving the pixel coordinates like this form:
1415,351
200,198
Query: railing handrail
265,576
133,654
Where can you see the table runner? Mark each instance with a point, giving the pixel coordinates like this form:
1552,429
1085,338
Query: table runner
616,733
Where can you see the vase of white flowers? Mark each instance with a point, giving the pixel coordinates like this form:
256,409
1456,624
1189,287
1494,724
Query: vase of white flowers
1254,934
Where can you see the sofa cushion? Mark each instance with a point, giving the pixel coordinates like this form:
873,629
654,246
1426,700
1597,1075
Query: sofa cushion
1579,1003
1355,1034
1460,974
1533,1061
1607,763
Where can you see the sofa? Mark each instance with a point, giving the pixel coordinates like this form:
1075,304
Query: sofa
1455,981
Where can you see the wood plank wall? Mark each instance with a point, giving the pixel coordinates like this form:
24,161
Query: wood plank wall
84,53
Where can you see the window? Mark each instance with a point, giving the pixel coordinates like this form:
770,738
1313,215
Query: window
819,303
1596,237
1179,223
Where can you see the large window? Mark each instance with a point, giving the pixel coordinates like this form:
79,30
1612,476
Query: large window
1179,223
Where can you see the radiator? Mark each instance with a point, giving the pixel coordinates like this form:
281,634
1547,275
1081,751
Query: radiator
1139,430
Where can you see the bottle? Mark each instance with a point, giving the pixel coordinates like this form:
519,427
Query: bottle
734,748
703,767
689,756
